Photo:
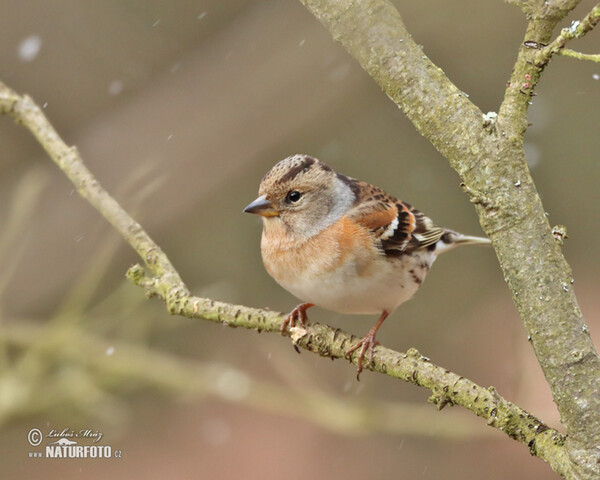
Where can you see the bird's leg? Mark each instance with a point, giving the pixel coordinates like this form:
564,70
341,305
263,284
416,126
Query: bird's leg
366,343
299,314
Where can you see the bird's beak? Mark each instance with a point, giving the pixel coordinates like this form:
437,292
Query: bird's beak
262,206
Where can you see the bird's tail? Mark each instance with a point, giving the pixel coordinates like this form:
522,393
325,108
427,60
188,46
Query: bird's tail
451,239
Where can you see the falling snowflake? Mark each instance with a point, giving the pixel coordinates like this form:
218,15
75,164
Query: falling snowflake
30,47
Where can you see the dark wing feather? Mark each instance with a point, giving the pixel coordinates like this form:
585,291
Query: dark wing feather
399,227
426,232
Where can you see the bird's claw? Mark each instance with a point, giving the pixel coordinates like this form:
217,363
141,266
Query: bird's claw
366,344
298,314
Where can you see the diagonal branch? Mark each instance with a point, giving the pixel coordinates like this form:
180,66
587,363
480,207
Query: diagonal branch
135,365
554,10
488,154
532,58
447,387
592,57
577,30
24,110
534,55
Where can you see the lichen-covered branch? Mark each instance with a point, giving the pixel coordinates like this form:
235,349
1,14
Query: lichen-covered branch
533,56
488,154
129,364
25,112
590,57
163,281
554,10
577,30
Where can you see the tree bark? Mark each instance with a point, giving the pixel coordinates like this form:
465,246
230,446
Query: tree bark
488,154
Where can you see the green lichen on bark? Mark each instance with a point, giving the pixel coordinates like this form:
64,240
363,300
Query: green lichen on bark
491,161
488,154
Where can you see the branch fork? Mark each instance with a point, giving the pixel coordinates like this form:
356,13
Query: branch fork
511,214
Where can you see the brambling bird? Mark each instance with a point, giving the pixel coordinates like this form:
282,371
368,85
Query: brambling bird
343,244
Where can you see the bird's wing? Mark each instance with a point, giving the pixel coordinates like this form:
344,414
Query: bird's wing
398,226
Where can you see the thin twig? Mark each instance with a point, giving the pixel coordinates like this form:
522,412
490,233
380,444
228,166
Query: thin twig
447,388
577,30
490,160
133,364
592,57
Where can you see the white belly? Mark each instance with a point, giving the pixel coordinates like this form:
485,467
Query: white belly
385,287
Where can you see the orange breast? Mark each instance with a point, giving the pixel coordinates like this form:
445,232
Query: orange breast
285,258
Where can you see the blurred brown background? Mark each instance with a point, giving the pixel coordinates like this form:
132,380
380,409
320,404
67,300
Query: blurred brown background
179,108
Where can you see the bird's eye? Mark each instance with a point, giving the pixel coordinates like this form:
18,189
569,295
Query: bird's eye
293,196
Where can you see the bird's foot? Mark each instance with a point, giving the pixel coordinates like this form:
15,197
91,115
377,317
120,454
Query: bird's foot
366,344
298,314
